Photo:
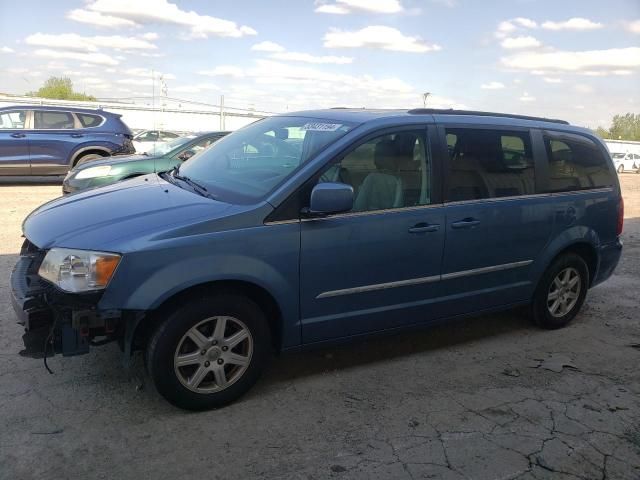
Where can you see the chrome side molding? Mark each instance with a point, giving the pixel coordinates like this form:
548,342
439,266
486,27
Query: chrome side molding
421,280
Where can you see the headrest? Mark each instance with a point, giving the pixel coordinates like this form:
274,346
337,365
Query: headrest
384,155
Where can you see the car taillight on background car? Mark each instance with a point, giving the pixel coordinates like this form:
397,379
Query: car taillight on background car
620,217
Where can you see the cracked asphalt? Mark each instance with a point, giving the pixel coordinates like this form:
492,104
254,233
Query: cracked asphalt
490,397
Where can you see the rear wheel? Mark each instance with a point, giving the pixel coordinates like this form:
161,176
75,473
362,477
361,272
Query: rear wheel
621,169
209,351
561,291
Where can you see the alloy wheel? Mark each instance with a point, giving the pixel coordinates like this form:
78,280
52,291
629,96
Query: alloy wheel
213,354
564,292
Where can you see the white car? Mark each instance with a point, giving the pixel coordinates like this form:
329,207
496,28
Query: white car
626,162
148,139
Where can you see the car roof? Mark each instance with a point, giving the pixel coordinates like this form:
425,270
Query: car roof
98,111
442,116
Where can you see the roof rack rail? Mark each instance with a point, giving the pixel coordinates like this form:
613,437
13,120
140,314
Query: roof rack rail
451,111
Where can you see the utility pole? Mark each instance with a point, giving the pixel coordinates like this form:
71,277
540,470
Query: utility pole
153,97
221,112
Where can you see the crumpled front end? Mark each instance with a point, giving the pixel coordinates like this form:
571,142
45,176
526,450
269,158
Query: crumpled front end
54,321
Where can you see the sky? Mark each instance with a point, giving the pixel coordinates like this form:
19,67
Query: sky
573,59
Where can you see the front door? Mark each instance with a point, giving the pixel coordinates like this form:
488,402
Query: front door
14,143
496,226
376,267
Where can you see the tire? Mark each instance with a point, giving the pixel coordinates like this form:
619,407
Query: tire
88,157
196,385
568,306
621,169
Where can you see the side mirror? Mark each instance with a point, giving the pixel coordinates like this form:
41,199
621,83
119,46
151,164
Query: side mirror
186,155
331,197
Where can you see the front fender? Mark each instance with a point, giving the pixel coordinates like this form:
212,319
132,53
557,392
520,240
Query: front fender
146,279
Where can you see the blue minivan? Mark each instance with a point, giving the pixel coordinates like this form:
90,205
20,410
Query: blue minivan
316,227
42,140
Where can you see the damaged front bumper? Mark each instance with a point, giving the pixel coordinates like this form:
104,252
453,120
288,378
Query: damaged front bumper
54,321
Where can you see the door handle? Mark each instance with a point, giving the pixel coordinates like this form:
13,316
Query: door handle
18,135
424,228
466,223
76,135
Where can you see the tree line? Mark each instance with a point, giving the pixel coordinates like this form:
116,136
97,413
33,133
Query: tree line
623,127
60,88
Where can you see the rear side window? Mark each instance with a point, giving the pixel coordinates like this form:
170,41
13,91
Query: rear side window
88,120
53,120
489,164
575,163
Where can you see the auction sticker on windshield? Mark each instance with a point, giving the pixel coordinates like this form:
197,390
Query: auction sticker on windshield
321,127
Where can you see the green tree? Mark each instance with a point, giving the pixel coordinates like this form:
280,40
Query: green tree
625,127
60,88
602,132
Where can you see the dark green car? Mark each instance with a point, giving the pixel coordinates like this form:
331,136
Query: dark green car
164,157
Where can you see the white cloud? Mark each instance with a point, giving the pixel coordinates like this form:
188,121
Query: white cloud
525,22
527,98
633,27
143,12
98,19
584,89
552,80
90,58
570,61
308,58
520,42
267,46
492,86
508,27
147,73
576,23
278,52
343,7
298,86
377,36
7,50
72,41
195,88
142,82
224,71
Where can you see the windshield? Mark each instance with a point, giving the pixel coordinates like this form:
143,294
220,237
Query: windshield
618,155
165,147
249,163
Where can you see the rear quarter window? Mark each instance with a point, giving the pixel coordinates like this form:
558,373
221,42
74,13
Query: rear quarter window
576,163
88,120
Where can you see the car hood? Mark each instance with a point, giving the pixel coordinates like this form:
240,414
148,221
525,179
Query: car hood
106,218
115,160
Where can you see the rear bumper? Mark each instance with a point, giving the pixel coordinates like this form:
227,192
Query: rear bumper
609,256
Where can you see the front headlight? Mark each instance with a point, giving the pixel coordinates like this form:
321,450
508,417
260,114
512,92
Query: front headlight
93,172
78,270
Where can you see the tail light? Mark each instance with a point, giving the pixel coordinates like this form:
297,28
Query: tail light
620,217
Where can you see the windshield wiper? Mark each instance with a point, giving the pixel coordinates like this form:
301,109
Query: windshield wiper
199,189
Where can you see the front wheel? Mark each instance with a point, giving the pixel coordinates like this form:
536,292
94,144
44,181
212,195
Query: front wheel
88,157
621,169
208,351
561,291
